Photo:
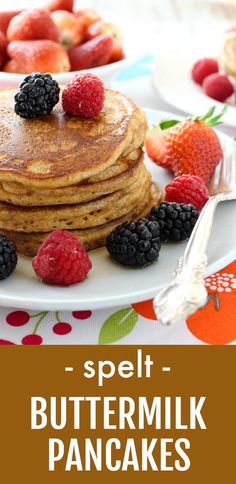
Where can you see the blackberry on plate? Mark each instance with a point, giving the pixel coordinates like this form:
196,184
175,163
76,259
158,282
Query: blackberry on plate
8,257
38,95
176,220
135,243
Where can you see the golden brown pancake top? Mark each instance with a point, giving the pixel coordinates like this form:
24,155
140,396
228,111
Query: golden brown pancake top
59,149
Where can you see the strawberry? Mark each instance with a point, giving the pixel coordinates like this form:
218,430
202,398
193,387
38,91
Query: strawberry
108,28
88,16
70,28
12,67
93,53
5,18
39,55
190,146
155,146
3,42
3,46
54,5
32,25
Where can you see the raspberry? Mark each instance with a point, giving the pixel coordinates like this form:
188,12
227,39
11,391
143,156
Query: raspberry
84,96
187,189
204,68
218,86
62,259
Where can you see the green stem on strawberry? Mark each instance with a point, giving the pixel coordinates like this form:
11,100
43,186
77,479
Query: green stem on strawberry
168,124
43,314
208,118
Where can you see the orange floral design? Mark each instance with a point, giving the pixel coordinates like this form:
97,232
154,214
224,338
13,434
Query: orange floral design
145,309
215,323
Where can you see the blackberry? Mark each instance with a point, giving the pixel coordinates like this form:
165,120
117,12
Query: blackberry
38,95
8,257
176,220
135,243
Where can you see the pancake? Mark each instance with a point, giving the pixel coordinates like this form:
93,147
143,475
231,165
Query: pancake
83,215
28,243
82,175
124,172
227,59
61,150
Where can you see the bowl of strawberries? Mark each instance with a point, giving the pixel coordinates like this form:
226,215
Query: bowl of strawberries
60,39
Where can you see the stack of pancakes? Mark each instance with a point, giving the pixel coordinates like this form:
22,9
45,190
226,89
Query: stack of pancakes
227,59
83,175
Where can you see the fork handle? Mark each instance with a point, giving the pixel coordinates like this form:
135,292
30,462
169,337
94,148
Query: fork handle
186,292
196,247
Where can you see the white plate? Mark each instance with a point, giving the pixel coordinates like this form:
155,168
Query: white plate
110,284
172,79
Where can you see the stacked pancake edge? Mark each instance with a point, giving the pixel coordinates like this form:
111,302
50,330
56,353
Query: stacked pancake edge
82,175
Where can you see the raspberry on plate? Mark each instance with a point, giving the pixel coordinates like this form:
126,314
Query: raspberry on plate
203,68
62,259
84,96
187,189
218,86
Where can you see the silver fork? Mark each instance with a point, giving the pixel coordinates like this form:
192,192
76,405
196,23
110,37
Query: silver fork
186,292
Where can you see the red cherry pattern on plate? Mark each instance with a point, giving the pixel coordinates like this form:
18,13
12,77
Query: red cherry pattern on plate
20,318
82,314
5,342
17,318
32,339
61,328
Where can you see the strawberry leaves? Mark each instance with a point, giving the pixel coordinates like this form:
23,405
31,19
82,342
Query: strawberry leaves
168,124
209,119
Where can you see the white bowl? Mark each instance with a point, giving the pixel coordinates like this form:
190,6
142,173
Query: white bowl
106,74
134,44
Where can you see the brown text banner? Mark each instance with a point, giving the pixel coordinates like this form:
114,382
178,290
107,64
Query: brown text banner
121,413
